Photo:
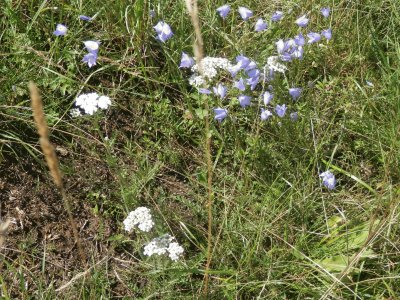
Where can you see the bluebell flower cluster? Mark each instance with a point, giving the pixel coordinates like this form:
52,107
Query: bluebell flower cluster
242,79
92,46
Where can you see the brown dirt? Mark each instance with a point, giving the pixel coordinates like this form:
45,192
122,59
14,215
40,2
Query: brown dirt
40,228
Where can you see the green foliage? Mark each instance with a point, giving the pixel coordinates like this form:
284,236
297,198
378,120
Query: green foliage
277,234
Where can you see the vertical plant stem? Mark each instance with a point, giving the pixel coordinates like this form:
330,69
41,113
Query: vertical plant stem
199,54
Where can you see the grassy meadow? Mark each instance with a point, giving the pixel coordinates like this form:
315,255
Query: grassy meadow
276,231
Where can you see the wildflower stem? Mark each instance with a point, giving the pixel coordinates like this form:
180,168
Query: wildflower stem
192,8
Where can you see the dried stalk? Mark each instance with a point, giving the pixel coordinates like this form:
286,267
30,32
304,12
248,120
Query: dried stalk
3,231
198,47
51,158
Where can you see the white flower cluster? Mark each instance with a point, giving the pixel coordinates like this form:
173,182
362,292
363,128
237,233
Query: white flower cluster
90,103
274,64
140,217
163,245
211,66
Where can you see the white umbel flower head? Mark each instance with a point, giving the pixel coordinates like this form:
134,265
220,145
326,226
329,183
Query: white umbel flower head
90,103
174,251
140,217
164,245
210,67
104,102
274,65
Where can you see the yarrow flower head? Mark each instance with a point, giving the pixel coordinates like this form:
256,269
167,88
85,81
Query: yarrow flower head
211,66
220,114
260,25
280,110
245,13
103,102
328,179
164,31
274,65
277,16
164,245
265,114
244,100
224,10
90,103
327,33
140,217
295,93
186,61
325,11
302,21
60,30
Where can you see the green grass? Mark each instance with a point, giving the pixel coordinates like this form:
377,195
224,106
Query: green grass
277,232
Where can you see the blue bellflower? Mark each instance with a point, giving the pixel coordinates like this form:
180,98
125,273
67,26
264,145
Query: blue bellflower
186,61
325,11
253,73
204,91
90,59
277,16
242,61
85,18
265,114
280,110
295,93
239,84
251,66
220,91
164,31
253,81
244,100
294,116
245,13
60,30
328,179
260,25
267,97
313,37
220,114
92,46
302,21
223,10
299,40
327,33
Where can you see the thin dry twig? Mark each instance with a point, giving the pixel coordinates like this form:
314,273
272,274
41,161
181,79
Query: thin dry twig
79,275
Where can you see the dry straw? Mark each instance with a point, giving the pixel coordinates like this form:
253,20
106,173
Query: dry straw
198,49
51,157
